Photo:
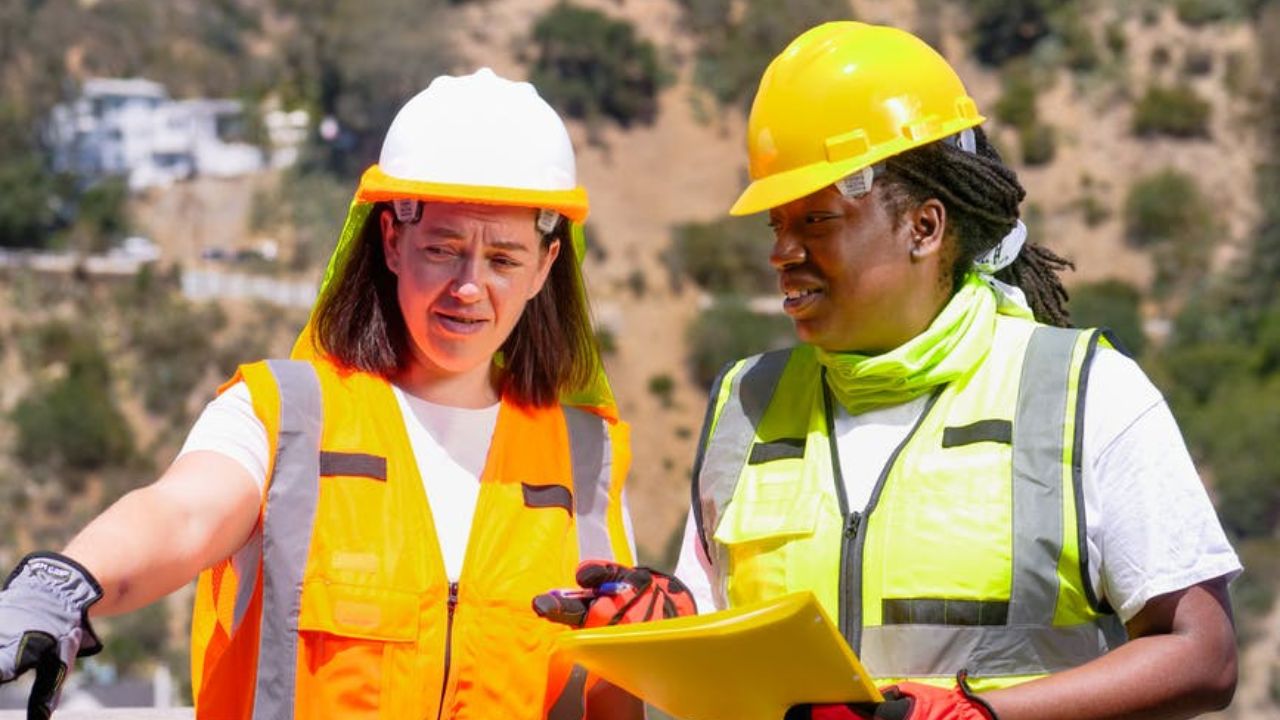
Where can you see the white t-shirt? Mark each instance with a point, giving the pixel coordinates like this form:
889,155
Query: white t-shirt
451,442
1150,527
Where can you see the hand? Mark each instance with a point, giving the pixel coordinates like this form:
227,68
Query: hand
907,701
640,594
44,624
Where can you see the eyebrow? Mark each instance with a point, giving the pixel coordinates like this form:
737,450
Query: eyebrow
449,233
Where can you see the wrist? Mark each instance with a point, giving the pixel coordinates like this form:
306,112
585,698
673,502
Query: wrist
962,683
67,586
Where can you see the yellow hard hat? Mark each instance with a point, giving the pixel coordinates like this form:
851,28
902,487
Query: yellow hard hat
842,97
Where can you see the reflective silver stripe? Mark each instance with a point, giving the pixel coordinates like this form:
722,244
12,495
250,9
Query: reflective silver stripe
291,506
901,651
245,562
591,454
730,445
1038,446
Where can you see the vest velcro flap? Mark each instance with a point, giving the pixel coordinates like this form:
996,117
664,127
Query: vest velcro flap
356,464
547,496
356,611
756,520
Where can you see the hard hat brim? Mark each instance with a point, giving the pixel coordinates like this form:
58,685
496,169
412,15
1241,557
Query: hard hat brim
780,188
377,186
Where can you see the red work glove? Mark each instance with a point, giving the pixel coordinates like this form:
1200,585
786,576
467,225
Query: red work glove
907,701
641,594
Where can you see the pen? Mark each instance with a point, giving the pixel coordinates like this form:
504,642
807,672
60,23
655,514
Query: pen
608,588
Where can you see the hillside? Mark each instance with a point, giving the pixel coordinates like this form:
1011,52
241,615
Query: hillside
649,181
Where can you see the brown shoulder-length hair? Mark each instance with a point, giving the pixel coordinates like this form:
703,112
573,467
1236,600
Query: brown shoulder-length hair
552,349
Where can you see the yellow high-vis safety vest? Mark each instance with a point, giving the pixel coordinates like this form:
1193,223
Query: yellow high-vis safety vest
971,551
339,605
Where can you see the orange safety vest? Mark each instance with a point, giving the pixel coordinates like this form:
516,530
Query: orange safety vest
339,606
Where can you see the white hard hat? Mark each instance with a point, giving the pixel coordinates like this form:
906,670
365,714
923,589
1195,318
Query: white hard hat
478,138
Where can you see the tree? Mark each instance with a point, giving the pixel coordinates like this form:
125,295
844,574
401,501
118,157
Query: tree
729,330
725,256
1111,304
591,66
73,422
733,55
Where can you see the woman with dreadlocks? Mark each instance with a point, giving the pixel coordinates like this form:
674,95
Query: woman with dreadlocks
998,509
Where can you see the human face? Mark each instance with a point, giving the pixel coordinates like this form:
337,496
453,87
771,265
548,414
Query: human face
464,274
852,278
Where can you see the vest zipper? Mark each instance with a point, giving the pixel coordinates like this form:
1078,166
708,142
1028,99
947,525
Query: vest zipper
448,647
855,536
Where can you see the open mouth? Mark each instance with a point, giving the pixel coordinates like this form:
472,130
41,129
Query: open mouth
797,300
460,324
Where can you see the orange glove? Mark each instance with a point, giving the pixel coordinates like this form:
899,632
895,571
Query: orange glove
614,594
907,701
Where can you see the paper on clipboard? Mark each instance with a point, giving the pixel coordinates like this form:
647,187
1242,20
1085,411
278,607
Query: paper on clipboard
748,663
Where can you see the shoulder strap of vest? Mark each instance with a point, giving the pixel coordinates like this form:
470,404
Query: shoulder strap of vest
292,496
591,454
728,429
1048,430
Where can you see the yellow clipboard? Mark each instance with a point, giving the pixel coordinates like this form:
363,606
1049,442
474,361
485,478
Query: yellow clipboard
748,663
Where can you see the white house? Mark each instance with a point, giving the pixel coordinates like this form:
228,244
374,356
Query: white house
132,127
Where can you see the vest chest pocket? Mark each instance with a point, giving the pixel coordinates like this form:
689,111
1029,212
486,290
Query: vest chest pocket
354,641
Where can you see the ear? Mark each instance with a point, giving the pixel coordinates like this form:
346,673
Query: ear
928,224
544,267
390,241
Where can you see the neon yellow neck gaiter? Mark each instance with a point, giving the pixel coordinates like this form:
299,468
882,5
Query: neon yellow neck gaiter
956,341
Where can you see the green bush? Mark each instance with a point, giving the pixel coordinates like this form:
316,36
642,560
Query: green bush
591,66
73,422
1177,111
1238,435
173,340
1111,304
1017,103
102,218
730,255
735,48
1202,12
729,330
1004,30
1167,214
1116,40
26,216
1039,144
662,387
1196,372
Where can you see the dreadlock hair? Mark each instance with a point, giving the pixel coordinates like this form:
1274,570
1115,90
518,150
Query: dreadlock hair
981,195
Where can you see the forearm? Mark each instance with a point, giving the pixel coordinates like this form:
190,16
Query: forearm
1174,671
130,549
157,538
1137,680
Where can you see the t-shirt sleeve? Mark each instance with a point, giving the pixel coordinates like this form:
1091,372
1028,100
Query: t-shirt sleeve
694,569
229,426
1155,529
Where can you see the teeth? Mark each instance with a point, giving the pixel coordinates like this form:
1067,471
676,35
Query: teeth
797,294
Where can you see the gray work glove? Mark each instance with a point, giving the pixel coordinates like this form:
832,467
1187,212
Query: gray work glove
44,624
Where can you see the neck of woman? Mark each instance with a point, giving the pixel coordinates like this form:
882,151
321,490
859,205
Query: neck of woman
474,388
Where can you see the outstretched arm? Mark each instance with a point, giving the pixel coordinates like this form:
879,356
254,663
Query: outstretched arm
157,538
1179,662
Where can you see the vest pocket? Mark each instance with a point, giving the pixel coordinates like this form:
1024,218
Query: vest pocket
347,637
749,520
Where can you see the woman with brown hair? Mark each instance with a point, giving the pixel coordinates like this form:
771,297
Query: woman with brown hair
372,519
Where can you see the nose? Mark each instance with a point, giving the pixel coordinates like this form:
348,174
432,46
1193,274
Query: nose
466,286
787,250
